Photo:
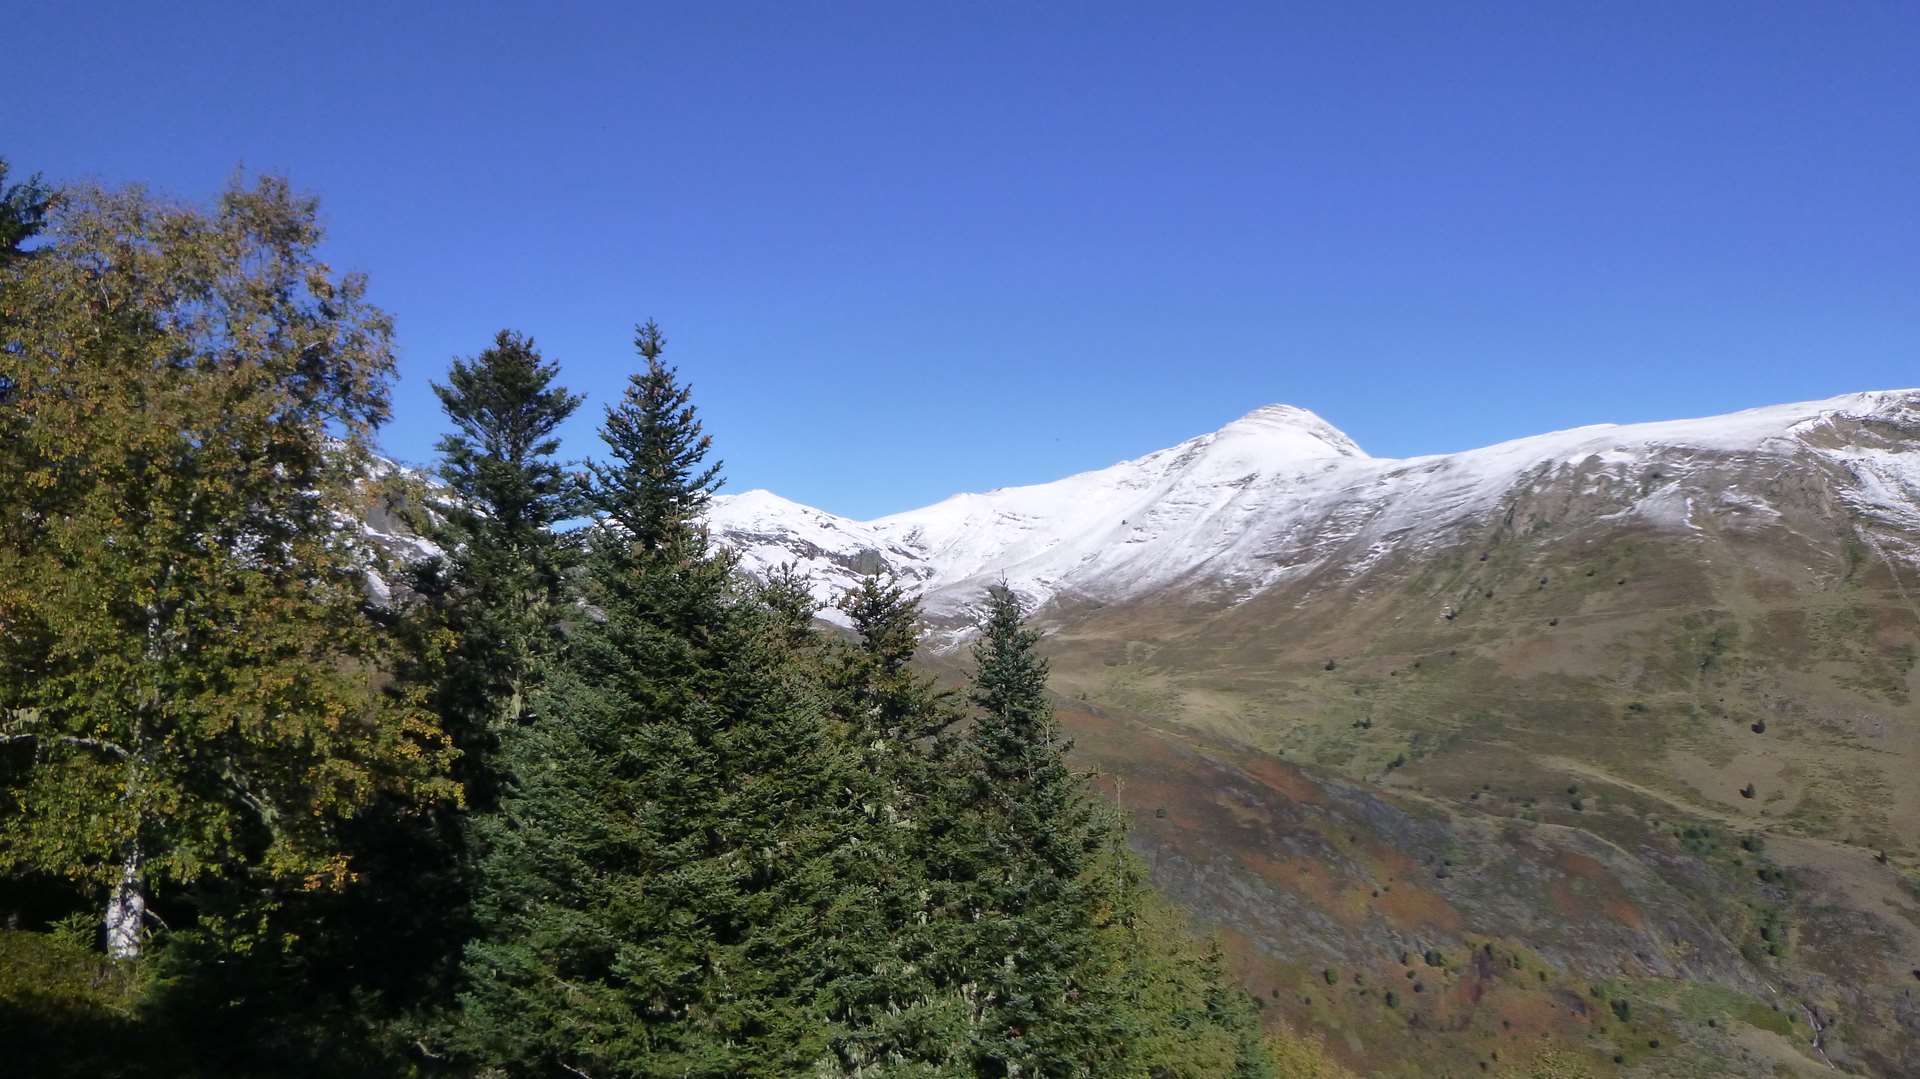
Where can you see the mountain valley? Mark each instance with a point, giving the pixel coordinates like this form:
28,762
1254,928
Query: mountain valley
1617,713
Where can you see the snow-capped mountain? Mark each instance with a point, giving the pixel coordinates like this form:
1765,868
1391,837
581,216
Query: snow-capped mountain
1281,494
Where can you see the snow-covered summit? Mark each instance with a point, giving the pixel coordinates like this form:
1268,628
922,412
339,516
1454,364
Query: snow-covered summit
1277,432
1280,492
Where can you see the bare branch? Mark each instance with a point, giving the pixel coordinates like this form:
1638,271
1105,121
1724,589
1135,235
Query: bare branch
95,744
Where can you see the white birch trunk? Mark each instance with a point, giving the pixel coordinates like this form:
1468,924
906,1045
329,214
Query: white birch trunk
126,910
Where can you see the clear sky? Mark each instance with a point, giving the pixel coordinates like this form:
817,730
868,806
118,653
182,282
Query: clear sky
908,249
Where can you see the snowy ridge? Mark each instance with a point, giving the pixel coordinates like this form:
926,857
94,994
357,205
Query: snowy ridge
1280,492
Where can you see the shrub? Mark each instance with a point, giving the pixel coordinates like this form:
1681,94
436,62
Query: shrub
79,931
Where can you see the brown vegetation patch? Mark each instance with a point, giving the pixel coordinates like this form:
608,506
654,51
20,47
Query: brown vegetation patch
1308,877
1282,777
1406,905
1587,886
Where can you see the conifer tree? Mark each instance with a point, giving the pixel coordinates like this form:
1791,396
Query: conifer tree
23,212
659,888
189,680
894,1016
891,699
659,482
502,590
1028,895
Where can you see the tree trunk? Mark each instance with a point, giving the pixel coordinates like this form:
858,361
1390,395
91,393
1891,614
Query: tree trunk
126,909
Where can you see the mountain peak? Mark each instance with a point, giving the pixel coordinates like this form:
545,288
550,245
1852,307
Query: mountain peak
1289,432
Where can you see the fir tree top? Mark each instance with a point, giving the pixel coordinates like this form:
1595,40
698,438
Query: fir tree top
1017,734
505,410
886,617
658,488
23,211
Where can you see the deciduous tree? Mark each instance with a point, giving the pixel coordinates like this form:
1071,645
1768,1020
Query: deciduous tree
190,685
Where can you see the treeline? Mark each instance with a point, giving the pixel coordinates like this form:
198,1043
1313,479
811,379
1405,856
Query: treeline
559,801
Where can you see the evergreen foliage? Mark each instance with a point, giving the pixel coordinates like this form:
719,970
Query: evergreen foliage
501,593
659,881
1024,888
894,1012
23,212
659,481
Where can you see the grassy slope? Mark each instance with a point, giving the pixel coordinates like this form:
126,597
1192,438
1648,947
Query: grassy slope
1598,688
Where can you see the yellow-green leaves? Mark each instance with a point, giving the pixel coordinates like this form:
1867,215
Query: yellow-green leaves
189,395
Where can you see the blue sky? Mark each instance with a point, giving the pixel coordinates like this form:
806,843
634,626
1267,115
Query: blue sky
908,249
